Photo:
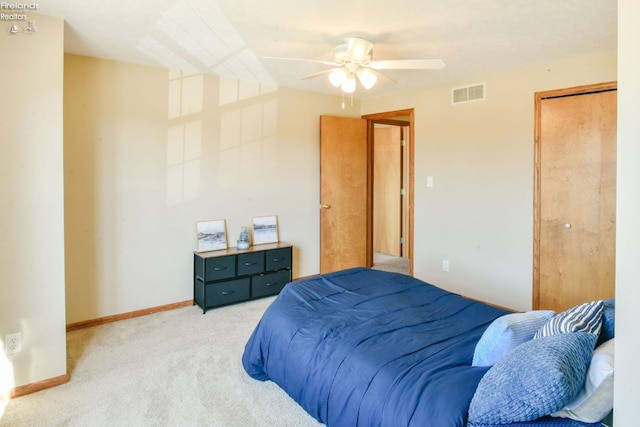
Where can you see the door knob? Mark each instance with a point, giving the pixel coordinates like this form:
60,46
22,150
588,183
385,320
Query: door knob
324,206
567,225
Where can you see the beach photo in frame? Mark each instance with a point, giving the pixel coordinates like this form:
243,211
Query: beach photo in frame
212,235
265,229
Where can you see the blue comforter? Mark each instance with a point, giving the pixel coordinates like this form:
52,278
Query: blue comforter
368,348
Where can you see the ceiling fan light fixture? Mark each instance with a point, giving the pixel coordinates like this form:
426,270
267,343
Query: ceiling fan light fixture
349,85
337,77
353,61
367,78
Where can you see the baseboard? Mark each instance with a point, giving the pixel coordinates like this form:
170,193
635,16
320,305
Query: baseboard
114,318
52,382
56,381
37,386
129,315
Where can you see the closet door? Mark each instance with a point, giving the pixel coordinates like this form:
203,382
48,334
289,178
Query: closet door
574,230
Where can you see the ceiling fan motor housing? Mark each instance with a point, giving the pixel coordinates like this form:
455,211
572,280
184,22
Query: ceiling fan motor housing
355,50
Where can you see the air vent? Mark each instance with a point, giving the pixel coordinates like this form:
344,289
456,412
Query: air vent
471,93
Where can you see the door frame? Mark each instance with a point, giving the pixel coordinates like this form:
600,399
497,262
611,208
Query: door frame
391,118
538,98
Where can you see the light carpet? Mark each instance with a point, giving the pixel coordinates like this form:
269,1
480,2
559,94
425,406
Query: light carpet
173,368
386,262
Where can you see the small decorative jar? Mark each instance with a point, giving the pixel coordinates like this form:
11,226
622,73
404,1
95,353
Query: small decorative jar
243,240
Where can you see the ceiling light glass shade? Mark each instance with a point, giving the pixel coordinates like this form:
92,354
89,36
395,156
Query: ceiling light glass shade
349,85
367,78
337,77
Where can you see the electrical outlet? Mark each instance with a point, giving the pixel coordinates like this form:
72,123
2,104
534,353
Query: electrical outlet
13,343
445,265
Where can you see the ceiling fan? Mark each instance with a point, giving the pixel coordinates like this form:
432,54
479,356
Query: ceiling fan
354,59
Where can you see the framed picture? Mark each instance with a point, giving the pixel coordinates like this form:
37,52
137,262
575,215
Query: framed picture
212,235
265,229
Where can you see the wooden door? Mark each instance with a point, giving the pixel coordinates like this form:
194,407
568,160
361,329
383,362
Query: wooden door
407,184
344,188
574,256
387,185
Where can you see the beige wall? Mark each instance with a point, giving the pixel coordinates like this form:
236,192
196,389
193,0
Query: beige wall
627,382
31,204
149,152
479,213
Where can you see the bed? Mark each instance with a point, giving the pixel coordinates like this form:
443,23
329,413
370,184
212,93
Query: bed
362,347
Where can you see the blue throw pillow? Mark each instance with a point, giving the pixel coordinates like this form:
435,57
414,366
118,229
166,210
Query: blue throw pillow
538,378
608,321
506,333
585,317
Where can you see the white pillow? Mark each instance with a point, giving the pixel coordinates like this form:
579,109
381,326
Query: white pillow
595,400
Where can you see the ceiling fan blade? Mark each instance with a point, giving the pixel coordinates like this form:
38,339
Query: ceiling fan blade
317,61
383,76
408,64
318,74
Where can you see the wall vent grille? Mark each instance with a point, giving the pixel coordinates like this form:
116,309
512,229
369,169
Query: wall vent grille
470,93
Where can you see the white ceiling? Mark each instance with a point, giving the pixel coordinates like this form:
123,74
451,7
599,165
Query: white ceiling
233,37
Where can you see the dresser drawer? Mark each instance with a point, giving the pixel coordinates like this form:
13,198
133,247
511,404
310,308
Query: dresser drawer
269,284
227,292
250,263
278,259
220,268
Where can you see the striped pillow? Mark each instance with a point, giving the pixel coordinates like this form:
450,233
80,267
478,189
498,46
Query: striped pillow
585,317
608,321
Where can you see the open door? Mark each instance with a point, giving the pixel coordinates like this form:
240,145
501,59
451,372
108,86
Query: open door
346,189
345,209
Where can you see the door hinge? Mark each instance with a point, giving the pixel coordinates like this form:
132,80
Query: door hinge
402,240
402,142
402,191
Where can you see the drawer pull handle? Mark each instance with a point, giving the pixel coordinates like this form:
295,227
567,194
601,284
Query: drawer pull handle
278,259
247,264
271,284
219,268
227,292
